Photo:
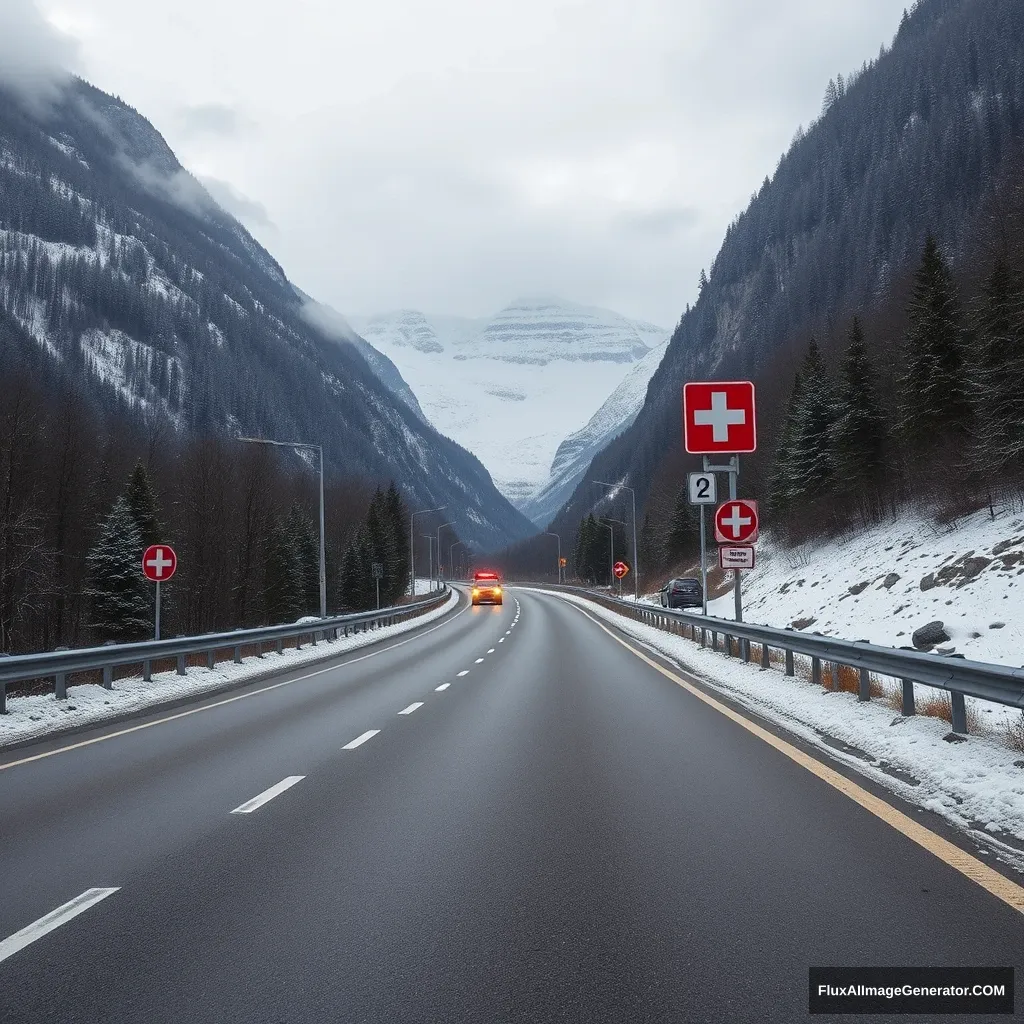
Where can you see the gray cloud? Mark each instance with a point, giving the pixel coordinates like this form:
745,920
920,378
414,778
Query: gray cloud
249,211
450,156
35,59
215,119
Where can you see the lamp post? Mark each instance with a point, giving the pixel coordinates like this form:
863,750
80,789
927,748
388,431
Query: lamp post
608,521
636,557
439,529
559,539
412,547
323,556
451,555
429,538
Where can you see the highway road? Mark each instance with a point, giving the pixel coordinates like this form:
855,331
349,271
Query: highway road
509,815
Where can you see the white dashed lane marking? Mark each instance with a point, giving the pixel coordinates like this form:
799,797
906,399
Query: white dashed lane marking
411,708
479,661
491,651
267,795
360,740
442,687
54,919
464,672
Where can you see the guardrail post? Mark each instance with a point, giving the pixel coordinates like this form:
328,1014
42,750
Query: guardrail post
703,637
714,640
312,638
766,661
279,646
790,667
298,643
745,649
959,712
211,659
238,654
3,698
108,677
816,671
181,664
147,671
908,698
60,681
864,687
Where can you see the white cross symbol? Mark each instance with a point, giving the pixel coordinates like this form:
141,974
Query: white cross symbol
719,417
159,562
736,522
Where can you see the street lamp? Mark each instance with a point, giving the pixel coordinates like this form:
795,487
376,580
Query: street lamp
559,539
429,537
323,556
608,521
451,554
412,548
439,529
636,557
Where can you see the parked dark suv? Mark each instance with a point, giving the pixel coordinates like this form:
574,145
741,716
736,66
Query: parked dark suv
682,593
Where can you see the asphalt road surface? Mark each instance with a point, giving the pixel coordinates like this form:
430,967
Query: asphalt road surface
506,816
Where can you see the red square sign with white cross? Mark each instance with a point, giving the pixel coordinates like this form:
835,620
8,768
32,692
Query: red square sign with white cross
719,417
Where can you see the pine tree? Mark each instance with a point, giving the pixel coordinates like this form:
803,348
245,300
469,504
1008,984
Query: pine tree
859,429
396,575
998,375
781,483
934,400
684,527
283,590
119,597
144,507
351,584
305,547
811,459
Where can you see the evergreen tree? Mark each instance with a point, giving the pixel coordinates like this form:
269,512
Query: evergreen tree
934,400
859,429
143,505
998,375
284,586
684,528
811,459
305,547
396,574
351,584
780,484
118,593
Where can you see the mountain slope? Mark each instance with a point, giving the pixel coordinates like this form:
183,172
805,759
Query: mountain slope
914,142
577,451
512,387
118,265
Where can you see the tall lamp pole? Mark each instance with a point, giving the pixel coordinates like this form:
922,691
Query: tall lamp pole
451,555
429,538
636,557
608,521
323,555
412,545
559,539
439,529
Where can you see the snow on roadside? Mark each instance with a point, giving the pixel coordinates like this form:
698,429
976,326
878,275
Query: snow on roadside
38,716
974,785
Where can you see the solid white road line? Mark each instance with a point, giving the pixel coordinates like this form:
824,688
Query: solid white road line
267,795
411,708
464,672
227,700
479,661
360,740
442,687
54,919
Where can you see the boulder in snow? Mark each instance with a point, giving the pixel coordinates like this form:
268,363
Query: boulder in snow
926,637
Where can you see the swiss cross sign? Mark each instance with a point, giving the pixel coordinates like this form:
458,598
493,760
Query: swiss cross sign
159,563
736,522
620,569
719,417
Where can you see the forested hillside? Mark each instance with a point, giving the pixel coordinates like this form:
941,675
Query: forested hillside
923,141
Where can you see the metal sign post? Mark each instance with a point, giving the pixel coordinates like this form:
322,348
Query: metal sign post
733,469
378,571
703,565
157,637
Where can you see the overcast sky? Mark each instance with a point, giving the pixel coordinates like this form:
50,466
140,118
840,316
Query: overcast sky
454,154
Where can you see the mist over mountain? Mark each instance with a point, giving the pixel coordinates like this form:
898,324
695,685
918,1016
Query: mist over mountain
120,268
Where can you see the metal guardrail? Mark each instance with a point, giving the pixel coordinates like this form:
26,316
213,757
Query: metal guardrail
59,665
957,676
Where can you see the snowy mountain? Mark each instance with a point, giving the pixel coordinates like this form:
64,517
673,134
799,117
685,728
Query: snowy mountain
121,277
512,387
576,452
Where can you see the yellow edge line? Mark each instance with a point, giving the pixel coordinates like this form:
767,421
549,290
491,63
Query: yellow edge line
977,871
220,703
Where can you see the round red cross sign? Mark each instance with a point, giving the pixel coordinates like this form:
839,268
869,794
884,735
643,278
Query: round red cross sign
620,569
159,563
736,522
